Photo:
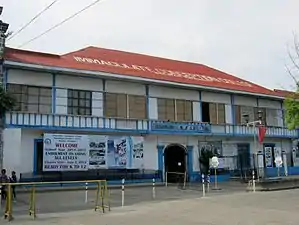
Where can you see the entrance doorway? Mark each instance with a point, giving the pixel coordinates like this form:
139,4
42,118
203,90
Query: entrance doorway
175,162
244,160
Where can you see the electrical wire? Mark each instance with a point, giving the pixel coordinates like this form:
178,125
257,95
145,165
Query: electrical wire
59,24
32,20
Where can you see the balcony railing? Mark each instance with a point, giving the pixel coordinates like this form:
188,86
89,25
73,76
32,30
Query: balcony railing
92,123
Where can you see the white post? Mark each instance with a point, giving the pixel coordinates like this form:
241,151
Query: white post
154,188
203,185
208,181
166,179
0,196
216,183
86,192
122,192
253,181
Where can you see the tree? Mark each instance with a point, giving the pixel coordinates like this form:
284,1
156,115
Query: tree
7,102
291,103
204,159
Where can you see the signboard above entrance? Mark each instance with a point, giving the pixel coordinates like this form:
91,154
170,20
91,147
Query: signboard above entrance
192,127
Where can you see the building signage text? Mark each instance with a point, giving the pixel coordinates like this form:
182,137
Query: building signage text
162,72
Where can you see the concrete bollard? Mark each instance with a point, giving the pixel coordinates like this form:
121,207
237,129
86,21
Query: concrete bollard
154,188
86,192
203,185
122,192
253,180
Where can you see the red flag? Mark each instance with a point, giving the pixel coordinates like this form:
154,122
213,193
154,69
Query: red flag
262,133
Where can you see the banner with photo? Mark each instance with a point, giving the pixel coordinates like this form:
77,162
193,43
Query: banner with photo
97,151
92,152
64,152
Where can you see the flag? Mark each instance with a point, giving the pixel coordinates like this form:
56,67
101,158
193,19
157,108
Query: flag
262,133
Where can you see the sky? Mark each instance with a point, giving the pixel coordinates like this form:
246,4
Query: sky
249,38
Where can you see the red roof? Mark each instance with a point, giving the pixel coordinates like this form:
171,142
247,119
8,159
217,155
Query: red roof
284,93
138,65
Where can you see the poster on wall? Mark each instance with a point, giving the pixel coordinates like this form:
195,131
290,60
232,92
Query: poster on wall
70,152
137,152
97,151
268,157
117,152
64,152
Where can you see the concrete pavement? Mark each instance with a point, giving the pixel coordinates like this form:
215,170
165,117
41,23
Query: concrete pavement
260,208
67,201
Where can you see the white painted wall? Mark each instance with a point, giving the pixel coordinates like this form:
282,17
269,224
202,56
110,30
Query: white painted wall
196,111
244,100
80,83
12,159
215,97
125,87
174,93
228,114
29,77
153,109
266,103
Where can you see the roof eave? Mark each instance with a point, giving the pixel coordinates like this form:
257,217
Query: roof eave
13,64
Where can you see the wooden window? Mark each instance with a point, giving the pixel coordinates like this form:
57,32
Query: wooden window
221,113
31,98
115,105
184,110
166,109
217,113
79,102
137,107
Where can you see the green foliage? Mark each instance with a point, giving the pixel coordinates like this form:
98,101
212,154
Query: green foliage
7,102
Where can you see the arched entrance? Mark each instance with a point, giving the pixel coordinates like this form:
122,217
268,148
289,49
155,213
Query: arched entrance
174,161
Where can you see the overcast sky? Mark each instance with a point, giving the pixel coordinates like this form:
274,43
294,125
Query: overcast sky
246,38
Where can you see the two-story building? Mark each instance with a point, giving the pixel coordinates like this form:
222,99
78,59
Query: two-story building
134,111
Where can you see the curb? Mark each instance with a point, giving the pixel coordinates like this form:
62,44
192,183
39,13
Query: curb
82,188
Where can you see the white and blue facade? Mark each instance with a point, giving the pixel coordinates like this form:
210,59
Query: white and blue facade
24,130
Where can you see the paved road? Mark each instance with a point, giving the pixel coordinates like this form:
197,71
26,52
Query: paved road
57,202
261,208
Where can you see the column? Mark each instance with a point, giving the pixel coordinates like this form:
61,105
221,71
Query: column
190,162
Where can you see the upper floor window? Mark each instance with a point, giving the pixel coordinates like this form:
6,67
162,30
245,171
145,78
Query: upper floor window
125,106
175,110
184,110
252,113
213,113
79,102
31,98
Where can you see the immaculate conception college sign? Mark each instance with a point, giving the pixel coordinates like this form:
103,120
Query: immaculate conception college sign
162,72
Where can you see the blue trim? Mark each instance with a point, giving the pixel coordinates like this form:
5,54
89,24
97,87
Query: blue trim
53,93
190,161
232,102
104,85
160,157
282,114
130,141
200,106
147,101
37,140
5,78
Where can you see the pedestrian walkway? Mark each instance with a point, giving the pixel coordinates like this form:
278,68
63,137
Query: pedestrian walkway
264,208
